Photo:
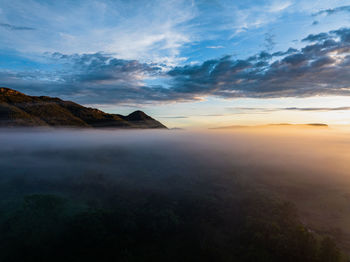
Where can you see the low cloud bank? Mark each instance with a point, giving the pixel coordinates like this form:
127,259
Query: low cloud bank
317,153
307,167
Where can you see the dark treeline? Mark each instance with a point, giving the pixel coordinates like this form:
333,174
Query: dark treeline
202,221
140,202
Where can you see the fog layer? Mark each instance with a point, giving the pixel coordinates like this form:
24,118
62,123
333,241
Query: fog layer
309,167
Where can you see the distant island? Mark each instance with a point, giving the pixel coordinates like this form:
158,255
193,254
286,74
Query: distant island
286,125
18,109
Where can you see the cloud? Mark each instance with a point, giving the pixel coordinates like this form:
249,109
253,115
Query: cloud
215,46
259,110
317,37
332,11
176,117
278,6
269,41
319,68
345,108
211,115
100,68
89,78
159,31
16,28
148,31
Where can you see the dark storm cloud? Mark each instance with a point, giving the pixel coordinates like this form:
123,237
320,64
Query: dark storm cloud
332,11
319,68
16,28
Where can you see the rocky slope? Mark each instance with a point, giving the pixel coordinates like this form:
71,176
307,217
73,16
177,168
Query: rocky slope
18,109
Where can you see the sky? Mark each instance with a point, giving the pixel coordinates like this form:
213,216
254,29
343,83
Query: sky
199,63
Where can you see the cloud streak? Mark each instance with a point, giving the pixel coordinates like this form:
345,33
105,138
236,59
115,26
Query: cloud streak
259,110
344,108
215,47
332,11
16,28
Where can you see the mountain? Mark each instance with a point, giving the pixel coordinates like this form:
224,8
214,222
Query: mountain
18,109
282,125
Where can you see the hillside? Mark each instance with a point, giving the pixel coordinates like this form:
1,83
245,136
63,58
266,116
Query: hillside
18,109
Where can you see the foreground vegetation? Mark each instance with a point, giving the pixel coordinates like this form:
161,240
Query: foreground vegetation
198,220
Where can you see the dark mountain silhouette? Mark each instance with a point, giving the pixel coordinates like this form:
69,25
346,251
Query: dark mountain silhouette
18,109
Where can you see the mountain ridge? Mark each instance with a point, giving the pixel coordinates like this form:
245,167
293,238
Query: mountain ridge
19,109
282,125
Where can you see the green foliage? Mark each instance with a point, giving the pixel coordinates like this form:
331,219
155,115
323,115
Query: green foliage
329,251
154,227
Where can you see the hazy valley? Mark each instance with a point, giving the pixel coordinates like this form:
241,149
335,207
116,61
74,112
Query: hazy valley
210,181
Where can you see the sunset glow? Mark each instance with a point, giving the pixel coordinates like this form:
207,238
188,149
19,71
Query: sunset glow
189,63
174,130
